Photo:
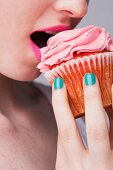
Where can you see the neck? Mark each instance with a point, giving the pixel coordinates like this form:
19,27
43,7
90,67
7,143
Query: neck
11,101
6,92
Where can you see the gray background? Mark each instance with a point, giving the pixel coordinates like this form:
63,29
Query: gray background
100,13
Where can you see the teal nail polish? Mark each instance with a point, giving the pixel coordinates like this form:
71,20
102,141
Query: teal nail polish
58,83
90,79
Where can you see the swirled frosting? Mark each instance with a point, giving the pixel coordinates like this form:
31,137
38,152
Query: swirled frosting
61,47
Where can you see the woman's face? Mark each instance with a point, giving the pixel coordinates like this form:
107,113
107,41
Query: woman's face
19,19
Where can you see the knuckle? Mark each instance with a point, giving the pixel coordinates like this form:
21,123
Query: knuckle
66,134
96,134
60,166
92,94
58,100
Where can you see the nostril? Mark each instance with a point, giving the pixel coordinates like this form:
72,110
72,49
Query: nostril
72,8
79,13
69,13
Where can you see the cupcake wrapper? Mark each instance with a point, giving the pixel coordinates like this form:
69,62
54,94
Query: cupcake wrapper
73,71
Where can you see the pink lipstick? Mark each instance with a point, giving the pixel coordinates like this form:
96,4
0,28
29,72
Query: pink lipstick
39,38
57,28
36,50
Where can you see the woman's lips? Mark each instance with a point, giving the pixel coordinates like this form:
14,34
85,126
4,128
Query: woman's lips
54,29
57,28
36,50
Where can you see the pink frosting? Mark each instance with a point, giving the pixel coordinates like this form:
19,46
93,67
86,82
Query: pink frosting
62,46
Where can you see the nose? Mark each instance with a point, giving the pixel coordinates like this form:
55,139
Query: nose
72,8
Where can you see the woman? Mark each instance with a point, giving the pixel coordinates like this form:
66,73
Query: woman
28,132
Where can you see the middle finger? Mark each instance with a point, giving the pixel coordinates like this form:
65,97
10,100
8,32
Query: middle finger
96,127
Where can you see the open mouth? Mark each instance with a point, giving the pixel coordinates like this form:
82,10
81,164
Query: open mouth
40,38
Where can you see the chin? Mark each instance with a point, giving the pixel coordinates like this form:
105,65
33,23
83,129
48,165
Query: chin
23,75
28,76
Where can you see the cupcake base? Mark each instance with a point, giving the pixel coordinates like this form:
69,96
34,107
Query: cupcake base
73,72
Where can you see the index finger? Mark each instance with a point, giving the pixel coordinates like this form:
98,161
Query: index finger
67,127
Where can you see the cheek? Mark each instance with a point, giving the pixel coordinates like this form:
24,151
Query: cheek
17,19
18,62
17,59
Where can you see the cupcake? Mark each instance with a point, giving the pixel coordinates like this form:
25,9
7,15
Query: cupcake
73,53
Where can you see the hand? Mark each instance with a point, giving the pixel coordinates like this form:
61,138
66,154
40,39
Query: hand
71,152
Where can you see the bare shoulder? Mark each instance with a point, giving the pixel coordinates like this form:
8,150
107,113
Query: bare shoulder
32,130
36,97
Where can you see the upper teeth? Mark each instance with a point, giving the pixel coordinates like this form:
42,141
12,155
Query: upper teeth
50,32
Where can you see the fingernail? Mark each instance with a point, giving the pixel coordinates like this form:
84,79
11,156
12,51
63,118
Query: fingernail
90,79
58,83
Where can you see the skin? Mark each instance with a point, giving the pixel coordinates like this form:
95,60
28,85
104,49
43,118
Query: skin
71,152
28,134
20,19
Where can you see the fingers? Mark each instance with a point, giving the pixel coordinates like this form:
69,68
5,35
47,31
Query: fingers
96,128
67,128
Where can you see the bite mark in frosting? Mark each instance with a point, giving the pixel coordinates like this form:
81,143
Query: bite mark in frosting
60,48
